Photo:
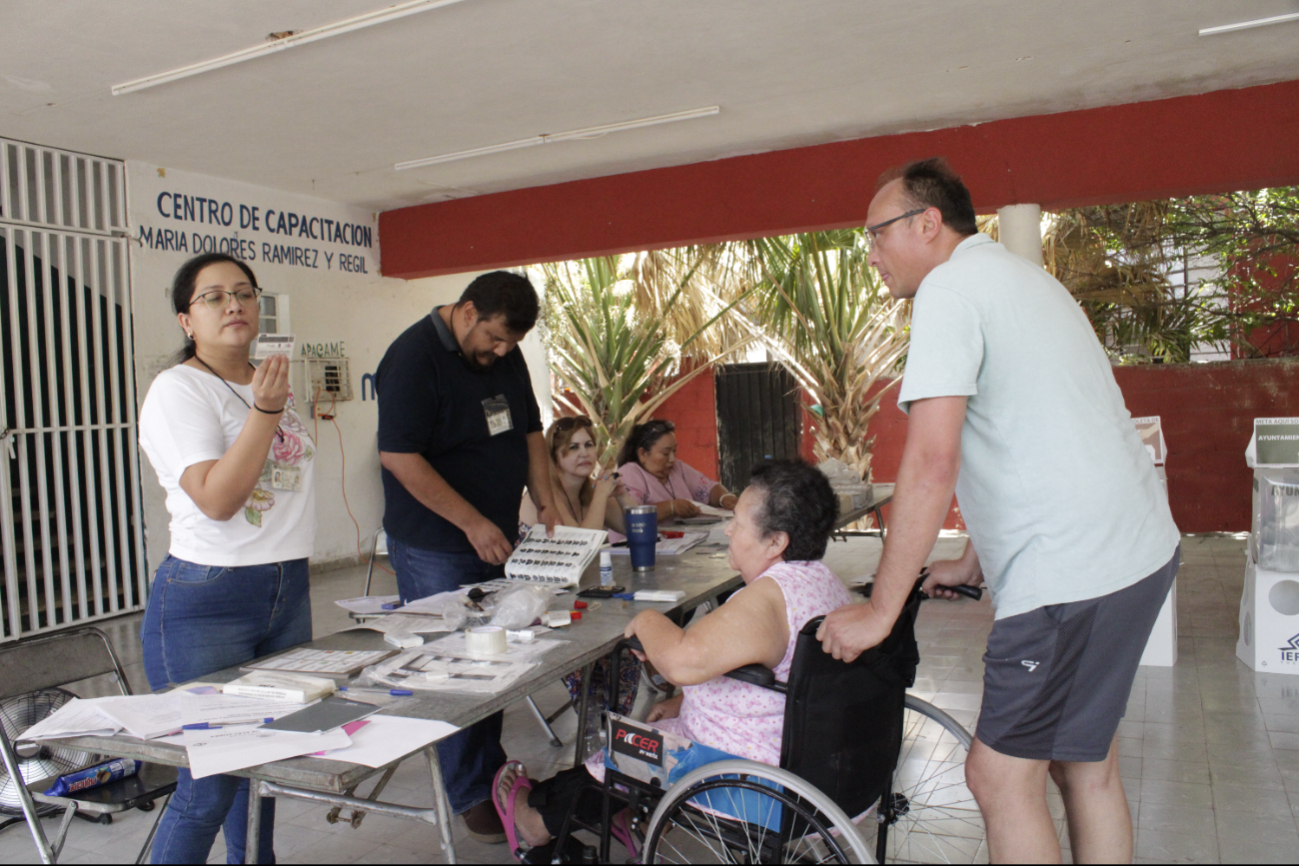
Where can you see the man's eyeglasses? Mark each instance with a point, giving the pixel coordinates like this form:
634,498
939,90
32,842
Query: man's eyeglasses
217,299
872,232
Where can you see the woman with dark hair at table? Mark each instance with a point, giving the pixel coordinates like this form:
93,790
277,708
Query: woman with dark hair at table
778,537
654,475
237,465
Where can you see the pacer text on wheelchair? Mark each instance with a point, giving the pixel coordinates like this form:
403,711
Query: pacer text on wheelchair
639,743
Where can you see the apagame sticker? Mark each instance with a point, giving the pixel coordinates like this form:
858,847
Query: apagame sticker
641,743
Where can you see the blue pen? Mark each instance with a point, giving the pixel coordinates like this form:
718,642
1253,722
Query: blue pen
210,726
396,693
629,596
388,605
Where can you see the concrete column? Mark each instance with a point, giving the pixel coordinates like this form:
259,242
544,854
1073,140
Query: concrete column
1021,230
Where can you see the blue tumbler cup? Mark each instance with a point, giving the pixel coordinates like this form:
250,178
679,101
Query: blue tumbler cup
642,535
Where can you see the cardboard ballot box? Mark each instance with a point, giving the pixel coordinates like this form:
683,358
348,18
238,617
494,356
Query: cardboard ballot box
1269,620
1269,603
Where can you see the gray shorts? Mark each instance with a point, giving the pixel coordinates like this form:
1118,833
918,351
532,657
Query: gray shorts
1056,679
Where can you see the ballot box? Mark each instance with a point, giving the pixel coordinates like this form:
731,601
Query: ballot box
1269,602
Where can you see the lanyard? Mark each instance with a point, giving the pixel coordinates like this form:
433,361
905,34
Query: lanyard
279,434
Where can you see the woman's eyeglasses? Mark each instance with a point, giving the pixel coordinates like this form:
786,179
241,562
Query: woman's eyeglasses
215,300
568,422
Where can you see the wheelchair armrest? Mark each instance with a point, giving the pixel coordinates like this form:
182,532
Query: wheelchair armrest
758,675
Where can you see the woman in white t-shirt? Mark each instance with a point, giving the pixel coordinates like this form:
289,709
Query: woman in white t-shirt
237,464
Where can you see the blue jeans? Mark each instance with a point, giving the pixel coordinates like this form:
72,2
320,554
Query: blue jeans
470,757
199,620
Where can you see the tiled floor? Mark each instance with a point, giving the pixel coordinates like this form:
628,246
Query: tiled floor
1210,750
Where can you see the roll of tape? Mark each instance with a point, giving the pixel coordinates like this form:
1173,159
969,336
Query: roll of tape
487,640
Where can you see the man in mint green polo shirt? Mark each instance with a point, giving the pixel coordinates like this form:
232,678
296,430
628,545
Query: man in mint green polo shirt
1013,407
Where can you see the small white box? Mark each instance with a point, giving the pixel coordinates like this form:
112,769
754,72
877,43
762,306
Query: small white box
1269,620
1161,646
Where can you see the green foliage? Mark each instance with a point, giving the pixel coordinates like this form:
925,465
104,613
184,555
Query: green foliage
618,362
1116,259
820,309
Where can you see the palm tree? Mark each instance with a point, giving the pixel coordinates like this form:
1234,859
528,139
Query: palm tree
820,309
616,361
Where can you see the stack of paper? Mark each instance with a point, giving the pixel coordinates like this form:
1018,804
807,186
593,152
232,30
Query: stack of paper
220,709
76,718
145,716
280,686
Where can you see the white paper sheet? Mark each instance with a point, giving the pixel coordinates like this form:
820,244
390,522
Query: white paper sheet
668,546
219,709
401,622
224,750
387,738
144,716
368,603
76,717
430,605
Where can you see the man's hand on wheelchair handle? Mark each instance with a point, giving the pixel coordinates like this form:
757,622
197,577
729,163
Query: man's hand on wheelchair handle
943,573
851,630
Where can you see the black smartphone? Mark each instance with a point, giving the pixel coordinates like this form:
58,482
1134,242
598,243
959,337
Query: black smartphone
599,592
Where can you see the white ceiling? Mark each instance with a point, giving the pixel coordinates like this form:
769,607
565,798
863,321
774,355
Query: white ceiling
331,118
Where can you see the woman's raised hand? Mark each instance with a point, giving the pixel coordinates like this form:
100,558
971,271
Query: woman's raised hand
606,486
271,384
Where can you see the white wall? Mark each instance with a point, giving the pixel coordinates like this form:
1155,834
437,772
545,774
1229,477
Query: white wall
365,312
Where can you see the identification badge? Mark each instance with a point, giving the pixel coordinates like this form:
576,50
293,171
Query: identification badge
286,478
497,410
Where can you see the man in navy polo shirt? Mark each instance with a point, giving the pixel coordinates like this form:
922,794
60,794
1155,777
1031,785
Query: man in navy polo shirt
459,436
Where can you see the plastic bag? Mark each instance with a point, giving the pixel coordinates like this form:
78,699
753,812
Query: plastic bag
520,606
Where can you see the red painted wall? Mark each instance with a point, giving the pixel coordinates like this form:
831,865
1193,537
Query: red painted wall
693,410
1169,147
1208,412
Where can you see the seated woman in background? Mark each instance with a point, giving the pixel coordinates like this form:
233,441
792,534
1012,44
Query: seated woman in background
781,527
654,475
570,441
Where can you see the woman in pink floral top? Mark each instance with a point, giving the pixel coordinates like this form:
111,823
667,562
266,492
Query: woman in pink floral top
782,524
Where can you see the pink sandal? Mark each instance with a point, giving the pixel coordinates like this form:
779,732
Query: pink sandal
620,828
507,811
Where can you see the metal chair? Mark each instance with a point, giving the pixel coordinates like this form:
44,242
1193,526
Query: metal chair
378,547
51,662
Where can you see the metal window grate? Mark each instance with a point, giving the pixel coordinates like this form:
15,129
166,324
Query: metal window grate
70,499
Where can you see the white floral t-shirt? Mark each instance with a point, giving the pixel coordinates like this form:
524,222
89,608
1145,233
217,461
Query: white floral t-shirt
191,416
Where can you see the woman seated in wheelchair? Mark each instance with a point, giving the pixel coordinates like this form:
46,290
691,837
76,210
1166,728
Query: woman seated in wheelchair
782,524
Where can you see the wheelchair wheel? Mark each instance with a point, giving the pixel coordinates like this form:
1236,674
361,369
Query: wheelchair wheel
932,817
688,826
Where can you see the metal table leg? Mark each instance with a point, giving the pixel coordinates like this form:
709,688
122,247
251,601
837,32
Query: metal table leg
251,854
583,707
440,802
544,722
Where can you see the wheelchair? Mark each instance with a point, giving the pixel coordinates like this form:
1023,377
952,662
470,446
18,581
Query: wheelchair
867,773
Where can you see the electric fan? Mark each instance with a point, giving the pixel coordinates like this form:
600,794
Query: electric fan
36,761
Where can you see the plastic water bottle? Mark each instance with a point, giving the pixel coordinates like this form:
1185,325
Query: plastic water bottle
606,568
